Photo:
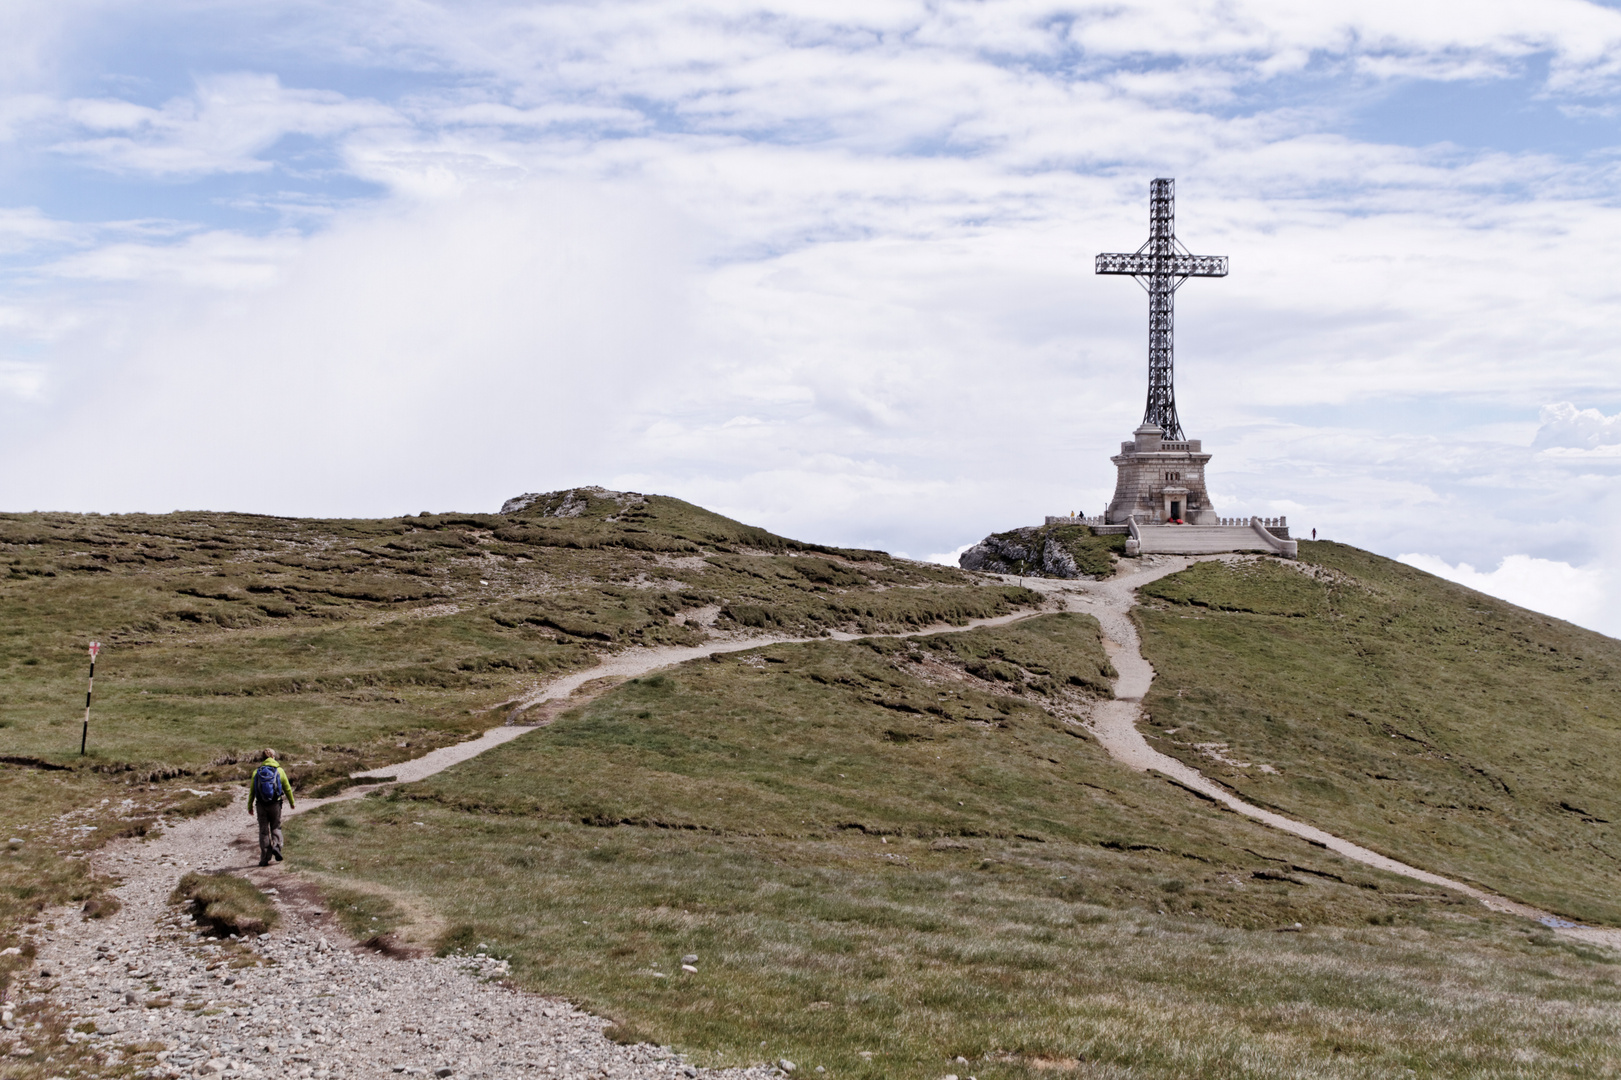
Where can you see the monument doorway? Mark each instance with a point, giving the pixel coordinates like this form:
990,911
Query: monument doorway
1176,510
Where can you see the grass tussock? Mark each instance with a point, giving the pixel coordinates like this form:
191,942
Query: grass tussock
366,916
908,849
102,906
230,905
1414,716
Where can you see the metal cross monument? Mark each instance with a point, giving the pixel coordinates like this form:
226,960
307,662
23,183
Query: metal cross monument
1161,266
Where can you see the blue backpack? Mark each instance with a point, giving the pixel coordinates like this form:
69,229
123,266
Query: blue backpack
267,784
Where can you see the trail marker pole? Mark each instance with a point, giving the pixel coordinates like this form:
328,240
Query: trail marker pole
84,737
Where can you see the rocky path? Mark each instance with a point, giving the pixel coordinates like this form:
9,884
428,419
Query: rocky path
302,1001
1114,724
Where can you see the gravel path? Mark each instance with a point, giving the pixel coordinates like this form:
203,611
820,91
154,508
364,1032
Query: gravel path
323,1008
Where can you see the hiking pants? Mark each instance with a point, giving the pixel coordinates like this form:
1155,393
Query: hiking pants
269,826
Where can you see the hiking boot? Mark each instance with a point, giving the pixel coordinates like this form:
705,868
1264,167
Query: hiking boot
264,860
277,853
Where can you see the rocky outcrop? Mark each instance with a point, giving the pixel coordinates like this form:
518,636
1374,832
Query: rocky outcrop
573,502
1057,551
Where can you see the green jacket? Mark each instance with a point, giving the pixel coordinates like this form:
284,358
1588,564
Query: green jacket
286,785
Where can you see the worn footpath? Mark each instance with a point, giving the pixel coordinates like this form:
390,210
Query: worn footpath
1114,724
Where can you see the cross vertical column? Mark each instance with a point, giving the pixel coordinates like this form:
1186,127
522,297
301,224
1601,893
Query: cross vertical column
1161,284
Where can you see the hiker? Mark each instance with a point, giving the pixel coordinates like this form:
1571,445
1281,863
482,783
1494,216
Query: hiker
266,790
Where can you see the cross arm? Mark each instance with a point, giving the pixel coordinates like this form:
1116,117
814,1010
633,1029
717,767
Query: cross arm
1147,265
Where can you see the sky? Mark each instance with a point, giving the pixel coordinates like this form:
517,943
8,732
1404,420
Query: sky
824,267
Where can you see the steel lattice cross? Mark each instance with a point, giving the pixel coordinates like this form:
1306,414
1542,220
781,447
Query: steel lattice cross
1161,266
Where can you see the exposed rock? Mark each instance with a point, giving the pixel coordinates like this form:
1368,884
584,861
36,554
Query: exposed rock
570,503
1055,551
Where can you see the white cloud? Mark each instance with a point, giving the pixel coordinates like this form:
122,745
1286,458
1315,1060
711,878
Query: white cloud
1583,595
949,558
23,381
27,229
1565,427
221,127
446,354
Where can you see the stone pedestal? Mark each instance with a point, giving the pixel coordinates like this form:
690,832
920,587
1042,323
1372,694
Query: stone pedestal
1159,480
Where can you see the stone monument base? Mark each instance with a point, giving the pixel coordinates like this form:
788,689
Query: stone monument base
1269,536
1210,539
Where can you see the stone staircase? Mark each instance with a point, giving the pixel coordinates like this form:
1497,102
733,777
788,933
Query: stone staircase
1207,540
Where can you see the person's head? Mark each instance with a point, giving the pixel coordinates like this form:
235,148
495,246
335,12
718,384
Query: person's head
268,754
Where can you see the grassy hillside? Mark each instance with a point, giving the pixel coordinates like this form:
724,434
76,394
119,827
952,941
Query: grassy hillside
348,644
1422,719
886,854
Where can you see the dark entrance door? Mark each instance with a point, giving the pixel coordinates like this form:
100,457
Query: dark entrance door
1176,510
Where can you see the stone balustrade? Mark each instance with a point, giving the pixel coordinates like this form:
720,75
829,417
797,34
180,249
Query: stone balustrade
1095,522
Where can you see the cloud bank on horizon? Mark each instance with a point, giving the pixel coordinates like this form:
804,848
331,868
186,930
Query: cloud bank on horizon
824,267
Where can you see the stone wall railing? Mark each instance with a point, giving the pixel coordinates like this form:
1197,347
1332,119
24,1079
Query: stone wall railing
1269,523
1094,522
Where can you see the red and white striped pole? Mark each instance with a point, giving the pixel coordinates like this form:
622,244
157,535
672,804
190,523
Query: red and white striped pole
84,737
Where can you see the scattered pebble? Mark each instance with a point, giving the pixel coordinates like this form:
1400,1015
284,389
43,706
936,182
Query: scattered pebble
161,1000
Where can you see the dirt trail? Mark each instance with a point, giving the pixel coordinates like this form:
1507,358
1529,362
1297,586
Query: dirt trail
635,662
1114,724
629,664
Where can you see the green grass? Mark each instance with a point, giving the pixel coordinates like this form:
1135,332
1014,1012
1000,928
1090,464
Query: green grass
903,848
229,905
366,916
1442,727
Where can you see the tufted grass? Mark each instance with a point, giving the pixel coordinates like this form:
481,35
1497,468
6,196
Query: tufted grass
230,905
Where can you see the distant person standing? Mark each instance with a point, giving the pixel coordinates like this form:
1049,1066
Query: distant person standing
265,793
1314,534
